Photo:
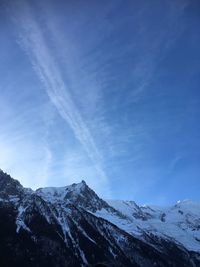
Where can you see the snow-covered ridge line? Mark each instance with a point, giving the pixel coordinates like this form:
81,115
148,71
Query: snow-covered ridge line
179,223
53,194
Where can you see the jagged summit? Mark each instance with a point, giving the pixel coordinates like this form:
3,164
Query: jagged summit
60,192
6,179
72,226
83,182
78,187
9,186
79,194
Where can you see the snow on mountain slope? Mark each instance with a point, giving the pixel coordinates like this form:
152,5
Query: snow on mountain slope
86,228
79,194
180,222
129,209
52,194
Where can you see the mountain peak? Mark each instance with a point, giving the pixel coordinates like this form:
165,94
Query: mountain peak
8,185
83,182
66,193
77,187
85,229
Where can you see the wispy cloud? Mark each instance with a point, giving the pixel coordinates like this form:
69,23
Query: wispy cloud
32,40
154,47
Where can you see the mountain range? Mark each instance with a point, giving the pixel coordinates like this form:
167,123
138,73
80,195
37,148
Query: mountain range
72,226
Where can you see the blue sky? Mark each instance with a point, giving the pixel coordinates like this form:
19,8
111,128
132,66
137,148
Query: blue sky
105,91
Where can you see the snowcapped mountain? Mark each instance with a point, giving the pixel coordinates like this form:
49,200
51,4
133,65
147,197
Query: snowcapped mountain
72,226
180,223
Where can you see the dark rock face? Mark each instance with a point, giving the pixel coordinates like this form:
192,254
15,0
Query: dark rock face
63,230
9,186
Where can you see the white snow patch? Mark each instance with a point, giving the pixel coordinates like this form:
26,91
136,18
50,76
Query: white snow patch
19,220
180,222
